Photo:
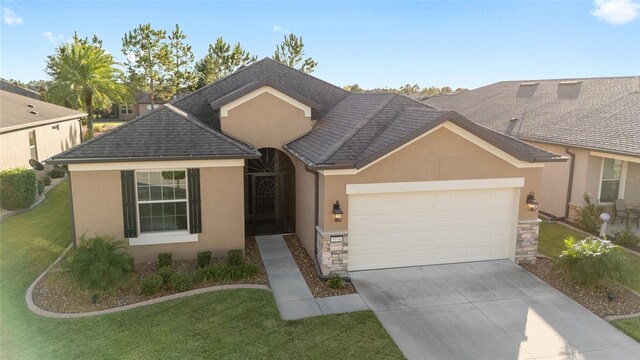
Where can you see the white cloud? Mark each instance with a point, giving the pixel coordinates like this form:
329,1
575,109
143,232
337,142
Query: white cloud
54,39
10,18
616,12
280,29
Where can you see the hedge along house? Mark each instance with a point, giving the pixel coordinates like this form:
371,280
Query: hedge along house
366,180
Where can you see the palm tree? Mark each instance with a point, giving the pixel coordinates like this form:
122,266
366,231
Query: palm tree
84,77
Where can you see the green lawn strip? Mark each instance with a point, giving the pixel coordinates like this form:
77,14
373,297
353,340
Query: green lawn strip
234,324
630,327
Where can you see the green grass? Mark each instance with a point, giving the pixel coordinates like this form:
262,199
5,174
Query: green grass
551,244
237,324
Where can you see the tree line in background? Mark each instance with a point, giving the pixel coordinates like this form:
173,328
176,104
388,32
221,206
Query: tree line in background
410,89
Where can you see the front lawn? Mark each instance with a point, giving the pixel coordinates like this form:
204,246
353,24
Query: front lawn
551,244
236,324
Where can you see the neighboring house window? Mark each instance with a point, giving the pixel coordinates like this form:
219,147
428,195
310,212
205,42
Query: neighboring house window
32,144
162,200
126,109
149,107
612,180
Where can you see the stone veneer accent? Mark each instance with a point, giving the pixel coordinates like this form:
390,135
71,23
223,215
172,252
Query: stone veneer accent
527,241
573,213
333,258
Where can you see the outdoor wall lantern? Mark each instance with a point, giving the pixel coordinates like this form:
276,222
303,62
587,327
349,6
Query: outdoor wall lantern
532,203
337,212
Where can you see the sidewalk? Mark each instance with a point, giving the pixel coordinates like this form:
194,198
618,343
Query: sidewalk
293,297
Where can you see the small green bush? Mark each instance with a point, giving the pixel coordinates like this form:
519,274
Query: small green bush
165,272
228,273
209,273
180,282
589,216
151,284
17,188
335,282
592,261
204,259
40,186
235,258
46,180
100,264
626,237
56,173
164,259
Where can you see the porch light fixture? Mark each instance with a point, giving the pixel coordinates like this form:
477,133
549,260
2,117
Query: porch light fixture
337,212
532,203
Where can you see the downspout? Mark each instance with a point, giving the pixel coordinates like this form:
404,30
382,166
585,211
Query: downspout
316,216
570,186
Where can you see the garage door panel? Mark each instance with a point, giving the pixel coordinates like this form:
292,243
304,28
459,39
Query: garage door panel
436,227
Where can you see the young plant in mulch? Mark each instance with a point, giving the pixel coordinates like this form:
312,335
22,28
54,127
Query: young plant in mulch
589,215
627,237
335,282
100,265
234,268
593,261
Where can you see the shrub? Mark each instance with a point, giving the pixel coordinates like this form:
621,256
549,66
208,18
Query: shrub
56,173
229,273
40,186
151,284
589,216
46,180
204,259
235,258
99,264
180,282
209,273
165,272
335,282
17,188
626,237
164,259
592,261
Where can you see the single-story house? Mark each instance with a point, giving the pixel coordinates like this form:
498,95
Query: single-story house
34,129
366,180
595,122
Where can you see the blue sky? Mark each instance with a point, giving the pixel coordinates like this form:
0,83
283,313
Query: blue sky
374,44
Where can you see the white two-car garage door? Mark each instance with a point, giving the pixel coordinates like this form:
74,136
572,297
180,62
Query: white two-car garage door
411,224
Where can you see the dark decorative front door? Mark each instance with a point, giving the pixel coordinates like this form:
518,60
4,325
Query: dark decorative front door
270,194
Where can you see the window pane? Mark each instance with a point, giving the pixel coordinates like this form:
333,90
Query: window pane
155,193
143,193
143,178
157,224
181,208
145,225
609,190
612,169
145,210
181,222
169,209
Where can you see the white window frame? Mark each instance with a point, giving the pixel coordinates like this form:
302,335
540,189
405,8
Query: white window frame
126,109
623,178
33,148
162,237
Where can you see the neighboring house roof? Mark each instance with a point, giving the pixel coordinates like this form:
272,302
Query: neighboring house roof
166,133
352,129
142,97
20,112
6,86
594,113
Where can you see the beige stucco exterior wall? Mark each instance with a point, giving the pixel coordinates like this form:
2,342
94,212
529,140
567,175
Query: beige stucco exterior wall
305,203
266,121
554,181
441,155
97,205
632,186
14,146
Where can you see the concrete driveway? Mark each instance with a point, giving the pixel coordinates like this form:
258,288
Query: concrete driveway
486,310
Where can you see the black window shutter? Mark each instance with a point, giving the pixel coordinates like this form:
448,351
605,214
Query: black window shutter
129,204
195,216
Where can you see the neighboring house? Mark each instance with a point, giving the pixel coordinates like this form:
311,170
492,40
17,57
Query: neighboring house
595,122
141,105
366,180
34,129
9,87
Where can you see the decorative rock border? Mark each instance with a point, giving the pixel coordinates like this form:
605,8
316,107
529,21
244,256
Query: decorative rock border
38,311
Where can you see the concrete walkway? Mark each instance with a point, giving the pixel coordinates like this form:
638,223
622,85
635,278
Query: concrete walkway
290,290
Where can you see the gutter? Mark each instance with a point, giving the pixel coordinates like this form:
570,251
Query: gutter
149,158
41,123
570,185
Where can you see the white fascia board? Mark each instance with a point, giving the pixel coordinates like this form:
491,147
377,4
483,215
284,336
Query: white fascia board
224,109
400,187
456,130
156,165
615,156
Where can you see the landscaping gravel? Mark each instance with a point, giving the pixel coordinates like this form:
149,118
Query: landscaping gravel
596,300
318,287
57,292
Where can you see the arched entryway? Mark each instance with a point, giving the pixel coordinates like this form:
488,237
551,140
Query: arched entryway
270,194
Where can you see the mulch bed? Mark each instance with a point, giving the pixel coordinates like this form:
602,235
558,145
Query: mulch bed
318,287
595,299
57,292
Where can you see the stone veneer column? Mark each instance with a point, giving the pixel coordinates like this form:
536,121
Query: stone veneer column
333,258
527,241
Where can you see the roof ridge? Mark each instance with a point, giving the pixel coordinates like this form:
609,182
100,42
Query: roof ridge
340,144
307,74
192,119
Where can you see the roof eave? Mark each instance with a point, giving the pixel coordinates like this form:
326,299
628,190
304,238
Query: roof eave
42,123
53,160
